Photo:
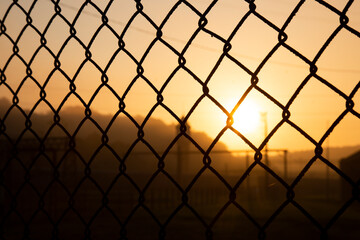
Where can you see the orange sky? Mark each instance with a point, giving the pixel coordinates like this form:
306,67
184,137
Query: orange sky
314,110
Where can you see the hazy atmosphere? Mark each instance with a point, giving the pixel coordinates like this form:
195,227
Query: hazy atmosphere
156,111
313,110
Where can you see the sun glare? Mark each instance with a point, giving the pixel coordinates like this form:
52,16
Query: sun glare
247,117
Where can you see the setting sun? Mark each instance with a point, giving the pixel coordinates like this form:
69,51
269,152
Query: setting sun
246,117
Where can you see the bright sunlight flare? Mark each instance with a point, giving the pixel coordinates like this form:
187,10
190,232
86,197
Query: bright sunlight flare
246,117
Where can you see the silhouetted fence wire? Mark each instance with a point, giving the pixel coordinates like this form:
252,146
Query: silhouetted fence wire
51,205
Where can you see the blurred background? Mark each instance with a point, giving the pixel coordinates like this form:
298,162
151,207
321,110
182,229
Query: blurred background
170,119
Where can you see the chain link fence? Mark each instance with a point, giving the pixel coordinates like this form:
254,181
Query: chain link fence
59,183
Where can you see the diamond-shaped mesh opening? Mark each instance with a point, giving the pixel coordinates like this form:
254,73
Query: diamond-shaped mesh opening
163,197
14,73
42,66
317,94
69,64
181,17
110,226
103,160
261,183
121,72
56,34
142,215
28,92
160,139
229,74
57,198
276,11
177,89
122,142
107,103
100,54
158,9
234,223
14,122
202,112
254,28
338,59
326,186
17,20
41,119
159,64
312,29
41,15
122,197
120,13
304,229
84,82
6,50
141,155
179,119
87,199
92,24
70,115
27,51
288,75
229,13
198,50
185,218
147,34
57,85
133,105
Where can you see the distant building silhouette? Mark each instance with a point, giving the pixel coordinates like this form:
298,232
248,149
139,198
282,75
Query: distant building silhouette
351,167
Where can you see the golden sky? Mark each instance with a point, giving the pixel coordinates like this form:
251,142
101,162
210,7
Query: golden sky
314,109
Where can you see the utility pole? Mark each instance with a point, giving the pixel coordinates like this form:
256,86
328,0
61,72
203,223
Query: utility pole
266,156
327,167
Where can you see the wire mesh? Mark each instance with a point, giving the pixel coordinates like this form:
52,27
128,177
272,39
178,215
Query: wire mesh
48,183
